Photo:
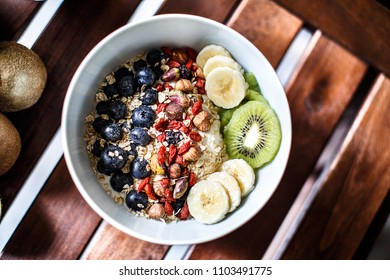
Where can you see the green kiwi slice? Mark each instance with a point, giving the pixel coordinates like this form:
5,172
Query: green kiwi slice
253,134
252,81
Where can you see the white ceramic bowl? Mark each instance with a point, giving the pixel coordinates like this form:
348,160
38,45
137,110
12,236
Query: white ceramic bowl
119,46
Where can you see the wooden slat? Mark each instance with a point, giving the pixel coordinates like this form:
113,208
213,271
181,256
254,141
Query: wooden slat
217,9
58,225
268,27
109,242
14,16
73,32
318,94
363,27
354,188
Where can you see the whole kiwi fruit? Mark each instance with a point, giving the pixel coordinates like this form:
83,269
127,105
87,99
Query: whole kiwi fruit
10,144
22,77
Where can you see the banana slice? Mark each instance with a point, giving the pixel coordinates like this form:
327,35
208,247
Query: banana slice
242,172
226,87
210,51
221,60
231,186
208,202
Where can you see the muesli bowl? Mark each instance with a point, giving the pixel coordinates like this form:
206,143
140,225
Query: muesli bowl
173,31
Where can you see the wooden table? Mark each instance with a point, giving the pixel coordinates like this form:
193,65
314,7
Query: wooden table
334,196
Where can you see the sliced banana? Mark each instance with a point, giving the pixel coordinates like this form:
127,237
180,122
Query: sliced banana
221,60
210,51
208,202
226,87
242,172
231,186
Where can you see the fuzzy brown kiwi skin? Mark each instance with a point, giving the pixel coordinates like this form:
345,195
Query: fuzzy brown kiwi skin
22,77
10,144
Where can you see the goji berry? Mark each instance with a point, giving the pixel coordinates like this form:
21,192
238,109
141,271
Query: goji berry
184,148
184,212
192,54
161,125
173,64
149,192
195,136
168,208
184,129
191,179
169,195
161,155
179,159
196,108
189,64
167,86
172,153
159,88
161,137
194,67
167,50
161,107
142,185
175,125
164,182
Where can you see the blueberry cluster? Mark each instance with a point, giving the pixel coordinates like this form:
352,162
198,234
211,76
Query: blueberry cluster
111,157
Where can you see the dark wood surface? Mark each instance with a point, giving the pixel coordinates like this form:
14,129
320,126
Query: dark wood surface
60,225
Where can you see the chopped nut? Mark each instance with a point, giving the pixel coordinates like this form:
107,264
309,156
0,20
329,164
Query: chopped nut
199,73
179,55
174,171
158,187
184,85
174,111
180,188
180,98
156,211
202,121
193,154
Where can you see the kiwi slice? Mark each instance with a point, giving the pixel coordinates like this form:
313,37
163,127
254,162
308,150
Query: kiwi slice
252,81
254,95
253,134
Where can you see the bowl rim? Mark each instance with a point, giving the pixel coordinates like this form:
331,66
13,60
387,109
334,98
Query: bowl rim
65,143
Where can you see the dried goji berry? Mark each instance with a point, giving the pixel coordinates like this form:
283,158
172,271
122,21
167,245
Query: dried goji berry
161,125
167,86
192,54
200,85
161,137
172,153
196,108
189,64
191,179
194,67
167,50
184,212
179,159
164,182
184,148
168,208
161,155
161,107
159,88
142,185
169,195
195,136
149,192
173,64
184,129
175,125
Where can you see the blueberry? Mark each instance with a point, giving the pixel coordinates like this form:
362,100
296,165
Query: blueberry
150,97
154,56
139,64
136,200
111,132
110,90
121,72
179,203
173,137
117,110
102,168
127,86
157,71
113,157
99,123
143,116
119,180
145,76
102,107
140,136
133,152
185,73
140,168
97,149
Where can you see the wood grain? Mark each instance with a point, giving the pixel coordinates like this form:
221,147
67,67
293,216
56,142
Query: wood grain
73,32
270,28
58,224
217,10
318,93
363,27
14,16
354,188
